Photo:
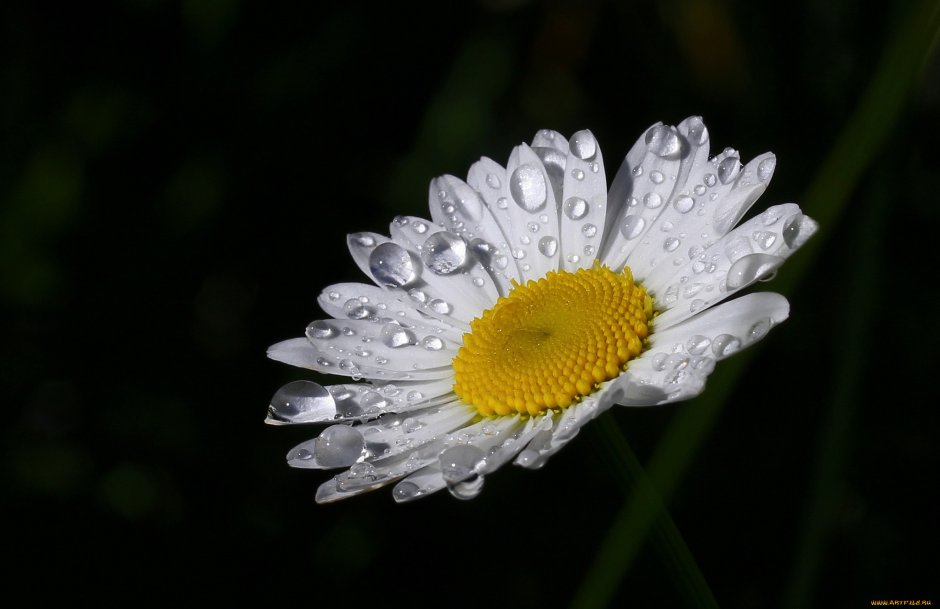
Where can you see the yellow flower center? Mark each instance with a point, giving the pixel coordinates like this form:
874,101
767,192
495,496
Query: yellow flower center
553,341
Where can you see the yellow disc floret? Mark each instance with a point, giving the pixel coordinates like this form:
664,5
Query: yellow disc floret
553,341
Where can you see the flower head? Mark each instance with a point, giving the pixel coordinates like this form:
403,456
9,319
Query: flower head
533,300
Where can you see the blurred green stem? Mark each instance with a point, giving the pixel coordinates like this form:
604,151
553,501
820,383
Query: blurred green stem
864,135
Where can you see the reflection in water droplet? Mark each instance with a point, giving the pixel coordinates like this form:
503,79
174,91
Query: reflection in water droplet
697,344
321,329
728,169
759,329
576,208
766,168
406,490
725,344
583,145
588,230
709,179
548,246
750,268
395,336
444,252
671,244
528,188
652,200
338,446
684,204
663,141
656,177
791,229
765,239
432,343
440,307
698,132
392,265
632,226
492,180
301,402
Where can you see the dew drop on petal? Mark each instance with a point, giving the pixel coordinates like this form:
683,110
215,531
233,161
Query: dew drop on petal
766,169
338,446
725,344
656,177
467,489
363,239
460,462
395,336
392,266
588,230
684,204
652,200
791,229
432,343
321,329
502,203
632,226
671,244
728,169
492,180
419,227
750,268
548,246
440,307
576,208
759,329
444,252
406,490
698,132
300,402
583,145
697,344
663,141
765,239
528,188
709,179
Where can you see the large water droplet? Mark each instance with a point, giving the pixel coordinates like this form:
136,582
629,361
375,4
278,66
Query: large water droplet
583,145
684,204
671,244
467,489
766,168
698,132
725,344
632,226
728,169
697,344
652,200
432,343
301,402
444,252
588,230
656,177
765,239
440,307
663,141
576,208
460,462
406,491
321,329
338,446
791,229
528,188
395,336
750,268
548,246
392,265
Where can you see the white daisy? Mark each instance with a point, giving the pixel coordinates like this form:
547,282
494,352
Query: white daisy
533,301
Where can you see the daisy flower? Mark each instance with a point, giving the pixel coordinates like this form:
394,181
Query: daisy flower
533,300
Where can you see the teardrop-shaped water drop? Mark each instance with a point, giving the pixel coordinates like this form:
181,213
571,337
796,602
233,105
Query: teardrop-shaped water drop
588,230
444,252
725,344
760,329
671,244
697,344
548,246
791,229
751,268
339,446
583,145
632,226
432,343
576,208
765,169
765,239
698,132
321,329
528,188
406,491
492,180
460,462
392,265
395,336
728,169
301,402
440,307
664,141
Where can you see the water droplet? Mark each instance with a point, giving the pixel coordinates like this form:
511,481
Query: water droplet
478,282
576,208
698,132
415,396
528,188
698,344
501,261
363,239
406,491
338,446
699,189
588,230
574,258
632,226
392,266
652,200
728,169
502,203
709,179
766,168
583,145
301,402
638,171
440,307
548,246
334,295
659,361
395,336
791,229
697,305
460,462
419,227
321,330
432,343
492,180
725,344
750,268
444,252
671,244
663,141
324,362
577,174
589,250
684,204
765,239
467,489
759,329
656,177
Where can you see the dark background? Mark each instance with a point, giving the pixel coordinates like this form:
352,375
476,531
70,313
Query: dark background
176,180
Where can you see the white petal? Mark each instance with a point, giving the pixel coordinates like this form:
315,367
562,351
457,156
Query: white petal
750,252
480,228
566,426
657,165
680,358
584,203
300,352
